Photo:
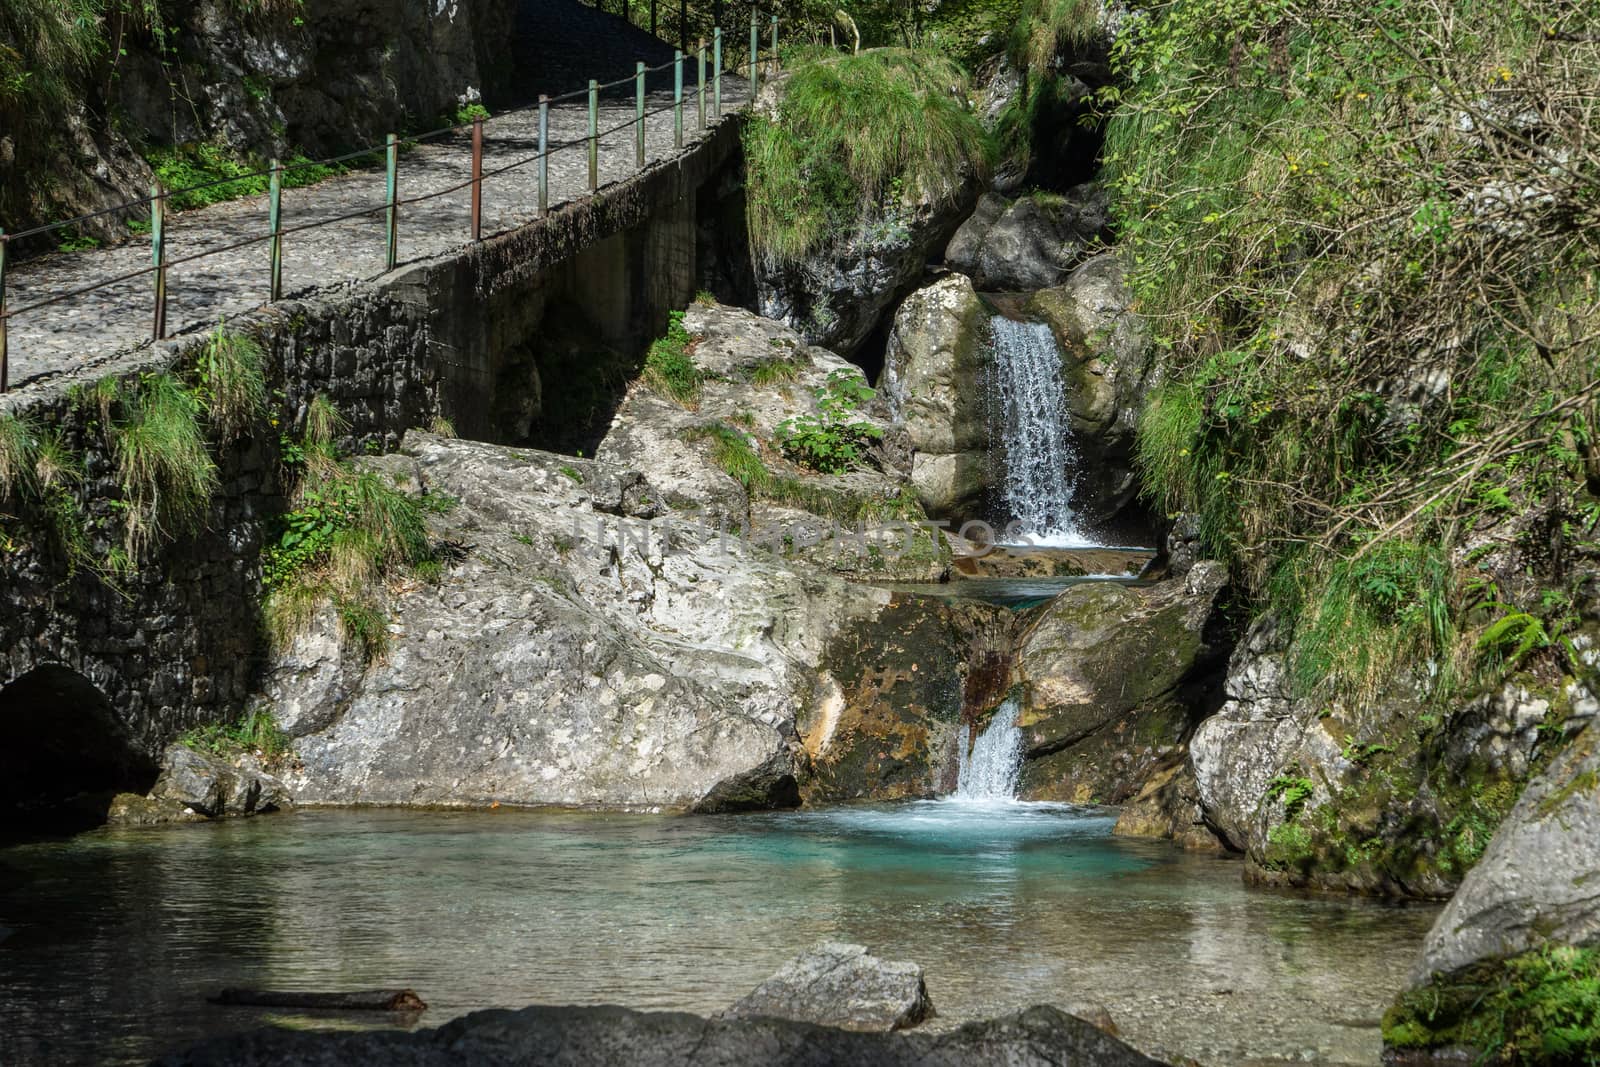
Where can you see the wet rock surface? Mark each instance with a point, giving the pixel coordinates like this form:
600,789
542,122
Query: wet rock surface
604,1036
1110,677
838,984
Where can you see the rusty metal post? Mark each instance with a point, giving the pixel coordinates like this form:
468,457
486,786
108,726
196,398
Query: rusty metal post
677,99
638,114
544,154
158,255
716,81
700,94
5,366
275,224
392,195
477,179
594,135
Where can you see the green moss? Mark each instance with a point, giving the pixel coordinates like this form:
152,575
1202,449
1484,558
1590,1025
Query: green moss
1540,1007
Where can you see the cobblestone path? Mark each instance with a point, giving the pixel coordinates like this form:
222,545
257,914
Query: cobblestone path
95,328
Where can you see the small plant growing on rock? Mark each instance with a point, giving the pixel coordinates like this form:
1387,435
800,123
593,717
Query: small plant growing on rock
668,367
232,386
832,439
166,472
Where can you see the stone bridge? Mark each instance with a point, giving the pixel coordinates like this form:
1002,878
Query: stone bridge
526,337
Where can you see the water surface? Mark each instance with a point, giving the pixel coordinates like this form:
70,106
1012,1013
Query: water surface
110,942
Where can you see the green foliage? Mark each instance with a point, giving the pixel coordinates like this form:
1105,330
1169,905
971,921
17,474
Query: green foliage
734,452
256,734
40,475
233,384
775,370
1299,191
1293,790
1540,1007
853,137
467,114
205,163
832,439
669,368
164,470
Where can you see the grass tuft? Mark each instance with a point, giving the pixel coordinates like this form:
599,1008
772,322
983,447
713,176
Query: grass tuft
164,469
233,384
669,369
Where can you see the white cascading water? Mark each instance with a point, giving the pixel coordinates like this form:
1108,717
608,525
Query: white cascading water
990,771
1037,434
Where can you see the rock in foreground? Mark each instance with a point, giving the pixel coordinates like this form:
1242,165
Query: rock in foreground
607,1036
835,984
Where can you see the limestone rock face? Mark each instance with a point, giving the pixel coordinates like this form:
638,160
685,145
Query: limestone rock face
213,786
574,656
1030,243
934,384
603,1036
660,459
1362,795
1535,882
835,984
1106,674
839,296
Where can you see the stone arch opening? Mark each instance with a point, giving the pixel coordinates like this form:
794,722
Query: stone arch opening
63,752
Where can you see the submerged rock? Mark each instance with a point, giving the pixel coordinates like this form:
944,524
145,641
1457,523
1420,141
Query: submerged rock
1109,677
605,1036
835,984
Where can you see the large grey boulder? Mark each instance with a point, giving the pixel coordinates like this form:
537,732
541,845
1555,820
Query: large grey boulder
574,656
1031,243
836,984
607,1036
936,368
215,787
1105,676
1536,881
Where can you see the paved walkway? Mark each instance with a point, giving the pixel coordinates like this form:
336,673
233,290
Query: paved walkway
94,329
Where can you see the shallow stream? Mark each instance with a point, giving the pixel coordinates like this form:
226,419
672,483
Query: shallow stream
111,941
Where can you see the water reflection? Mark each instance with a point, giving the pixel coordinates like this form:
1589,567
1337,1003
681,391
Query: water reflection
120,936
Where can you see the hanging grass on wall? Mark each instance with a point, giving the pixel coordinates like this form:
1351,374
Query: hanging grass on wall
165,470
232,383
853,137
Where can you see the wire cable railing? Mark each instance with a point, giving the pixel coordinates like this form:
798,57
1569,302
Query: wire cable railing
706,98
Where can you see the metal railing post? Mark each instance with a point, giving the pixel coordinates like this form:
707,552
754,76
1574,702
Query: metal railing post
594,135
755,56
544,154
773,46
5,366
477,179
158,255
638,114
392,189
275,224
716,81
677,99
700,94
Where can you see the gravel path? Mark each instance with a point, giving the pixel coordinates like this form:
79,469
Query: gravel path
96,327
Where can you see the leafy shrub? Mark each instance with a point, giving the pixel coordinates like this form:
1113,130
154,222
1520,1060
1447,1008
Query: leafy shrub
832,440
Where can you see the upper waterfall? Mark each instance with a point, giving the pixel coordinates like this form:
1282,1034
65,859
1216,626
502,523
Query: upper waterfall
1035,432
